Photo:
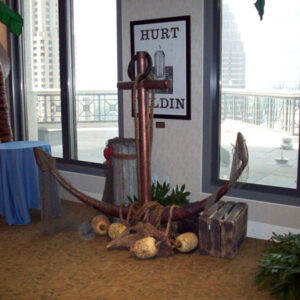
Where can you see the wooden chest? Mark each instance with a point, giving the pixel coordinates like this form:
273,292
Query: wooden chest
222,228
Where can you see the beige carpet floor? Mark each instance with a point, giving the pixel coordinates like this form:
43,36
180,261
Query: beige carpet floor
65,266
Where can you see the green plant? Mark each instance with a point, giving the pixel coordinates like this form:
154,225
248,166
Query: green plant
162,193
279,268
11,19
260,5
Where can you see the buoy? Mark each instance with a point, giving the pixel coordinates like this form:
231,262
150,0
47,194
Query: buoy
145,248
100,224
186,242
115,229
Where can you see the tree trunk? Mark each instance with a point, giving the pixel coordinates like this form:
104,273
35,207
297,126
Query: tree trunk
5,128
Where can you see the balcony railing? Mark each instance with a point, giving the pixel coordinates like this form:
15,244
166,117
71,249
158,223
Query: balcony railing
273,110
91,106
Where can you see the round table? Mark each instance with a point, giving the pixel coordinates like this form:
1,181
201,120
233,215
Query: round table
19,183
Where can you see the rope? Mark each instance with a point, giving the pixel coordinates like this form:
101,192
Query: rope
124,155
121,213
170,220
143,213
136,131
151,117
138,212
133,208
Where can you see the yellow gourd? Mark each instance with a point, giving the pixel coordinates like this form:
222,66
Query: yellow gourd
115,229
186,242
145,248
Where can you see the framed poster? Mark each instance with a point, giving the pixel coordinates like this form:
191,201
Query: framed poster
168,43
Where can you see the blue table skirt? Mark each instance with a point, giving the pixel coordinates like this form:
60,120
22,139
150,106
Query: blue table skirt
19,182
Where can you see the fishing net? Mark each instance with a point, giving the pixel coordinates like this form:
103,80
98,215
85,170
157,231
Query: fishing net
240,155
239,169
57,213
50,202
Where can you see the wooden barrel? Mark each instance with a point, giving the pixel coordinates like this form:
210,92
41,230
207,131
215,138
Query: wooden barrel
124,169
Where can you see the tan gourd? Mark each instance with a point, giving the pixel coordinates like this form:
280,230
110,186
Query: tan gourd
145,248
115,229
186,242
100,224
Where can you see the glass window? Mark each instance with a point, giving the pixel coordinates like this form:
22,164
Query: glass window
43,123
96,76
95,55
252,85
260,89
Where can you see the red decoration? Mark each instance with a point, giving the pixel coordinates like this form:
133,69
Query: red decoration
108,152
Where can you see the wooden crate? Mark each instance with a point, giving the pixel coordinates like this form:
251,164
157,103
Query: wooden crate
222,228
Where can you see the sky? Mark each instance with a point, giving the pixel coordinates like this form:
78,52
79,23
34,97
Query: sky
272,45
95,44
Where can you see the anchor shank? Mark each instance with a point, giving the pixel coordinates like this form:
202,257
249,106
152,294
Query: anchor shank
144,124
144,145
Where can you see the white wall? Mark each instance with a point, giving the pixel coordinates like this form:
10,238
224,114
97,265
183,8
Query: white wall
177,149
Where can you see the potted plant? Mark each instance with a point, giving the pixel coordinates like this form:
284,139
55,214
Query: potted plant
279,267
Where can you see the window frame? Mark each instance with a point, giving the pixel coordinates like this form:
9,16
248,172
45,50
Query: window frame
211,121
69,161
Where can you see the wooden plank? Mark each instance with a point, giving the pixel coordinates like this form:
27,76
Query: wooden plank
241,228
212,209
223,211
204,235
238,208
132,175
215,238
227,237
233,231
124,170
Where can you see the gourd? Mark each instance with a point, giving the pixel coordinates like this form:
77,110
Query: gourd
100,224
186,242
115,229
145,248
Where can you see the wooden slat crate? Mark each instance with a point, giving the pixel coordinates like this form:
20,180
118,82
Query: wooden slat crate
222,228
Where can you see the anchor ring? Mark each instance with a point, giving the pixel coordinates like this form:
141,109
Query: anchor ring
131,67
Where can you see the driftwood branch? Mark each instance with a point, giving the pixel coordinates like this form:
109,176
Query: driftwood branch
5,128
